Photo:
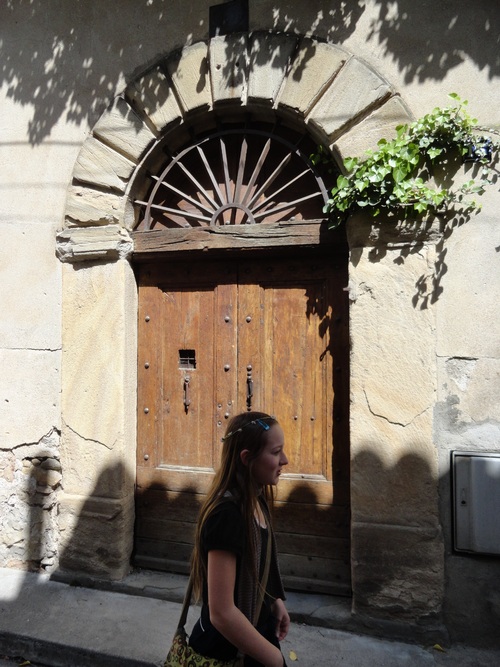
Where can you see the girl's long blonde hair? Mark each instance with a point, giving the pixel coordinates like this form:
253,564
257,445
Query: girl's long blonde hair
246,431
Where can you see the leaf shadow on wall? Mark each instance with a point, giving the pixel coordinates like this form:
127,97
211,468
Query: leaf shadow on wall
70,66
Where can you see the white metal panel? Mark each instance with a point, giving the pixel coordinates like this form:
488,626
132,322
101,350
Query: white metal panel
476,485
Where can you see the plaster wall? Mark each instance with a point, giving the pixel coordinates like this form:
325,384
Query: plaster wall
467,414
424,315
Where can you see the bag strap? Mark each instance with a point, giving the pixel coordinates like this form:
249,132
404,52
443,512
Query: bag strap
265,574
186,603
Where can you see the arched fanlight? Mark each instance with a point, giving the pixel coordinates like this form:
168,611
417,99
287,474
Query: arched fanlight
235,176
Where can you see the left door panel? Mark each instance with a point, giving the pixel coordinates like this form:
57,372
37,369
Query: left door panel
186,393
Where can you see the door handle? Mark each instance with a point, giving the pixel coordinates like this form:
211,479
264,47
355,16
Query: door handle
249,388
187,400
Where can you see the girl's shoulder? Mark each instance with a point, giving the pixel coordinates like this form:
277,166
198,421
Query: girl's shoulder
227,507
224,528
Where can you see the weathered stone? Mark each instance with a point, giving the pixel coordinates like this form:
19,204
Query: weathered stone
381,124
96,535
47,478
476,385
392,232
78,244
190,75
154,96
393,470
314,67
122,129
51,464
270,56
28,514
7,467
229,68
91,469
85,206
355,90
397,572
98,406
383,303
100,166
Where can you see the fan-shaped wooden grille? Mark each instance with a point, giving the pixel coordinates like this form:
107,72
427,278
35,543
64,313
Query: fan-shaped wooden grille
233,177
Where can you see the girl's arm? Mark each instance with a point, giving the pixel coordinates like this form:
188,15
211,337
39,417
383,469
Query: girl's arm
283,624
228,619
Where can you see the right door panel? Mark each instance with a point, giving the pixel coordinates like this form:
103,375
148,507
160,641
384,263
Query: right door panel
293,333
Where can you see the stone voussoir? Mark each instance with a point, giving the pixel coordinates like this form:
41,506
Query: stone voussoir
270,56
189,73
153,95
228,63
122,129
381,124
351,95
314,67
101,166
85,206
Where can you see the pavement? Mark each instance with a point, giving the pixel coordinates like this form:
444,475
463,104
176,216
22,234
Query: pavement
54,623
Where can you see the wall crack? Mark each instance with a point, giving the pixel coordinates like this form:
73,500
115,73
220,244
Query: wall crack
389,421
96,442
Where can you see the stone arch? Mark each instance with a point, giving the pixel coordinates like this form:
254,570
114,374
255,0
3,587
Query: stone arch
343,103
336,97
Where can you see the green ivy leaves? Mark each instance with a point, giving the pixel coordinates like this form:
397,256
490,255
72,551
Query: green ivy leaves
397,177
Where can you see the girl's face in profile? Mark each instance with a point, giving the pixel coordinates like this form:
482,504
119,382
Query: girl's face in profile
268,464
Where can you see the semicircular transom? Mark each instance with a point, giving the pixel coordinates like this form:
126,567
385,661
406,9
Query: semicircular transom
236,175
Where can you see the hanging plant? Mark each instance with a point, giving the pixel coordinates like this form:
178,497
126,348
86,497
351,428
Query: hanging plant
397,177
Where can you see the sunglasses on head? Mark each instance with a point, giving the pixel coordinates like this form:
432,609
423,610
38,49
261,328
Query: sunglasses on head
260,423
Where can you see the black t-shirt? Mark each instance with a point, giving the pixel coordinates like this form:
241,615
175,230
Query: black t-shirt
224,530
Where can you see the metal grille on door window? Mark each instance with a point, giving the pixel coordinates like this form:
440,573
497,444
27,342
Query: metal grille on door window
187,360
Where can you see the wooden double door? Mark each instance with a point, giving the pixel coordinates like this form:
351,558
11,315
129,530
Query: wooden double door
220,337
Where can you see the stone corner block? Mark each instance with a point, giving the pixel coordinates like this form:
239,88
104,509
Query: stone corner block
313,68
363,231
103,167
122,129
153,95
270,56
189,72
85,206
228,61
93,243
352,94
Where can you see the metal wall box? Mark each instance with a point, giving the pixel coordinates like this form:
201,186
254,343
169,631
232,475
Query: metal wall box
476,497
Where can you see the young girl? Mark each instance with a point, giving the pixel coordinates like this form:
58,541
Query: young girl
231,546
